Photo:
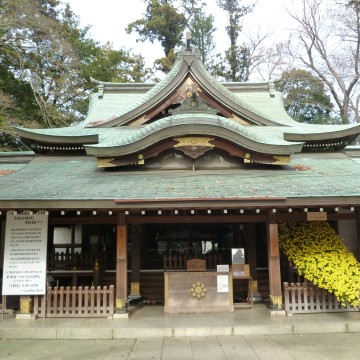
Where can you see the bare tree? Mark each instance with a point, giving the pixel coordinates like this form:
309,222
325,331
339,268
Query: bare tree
328,43
272,61
266,60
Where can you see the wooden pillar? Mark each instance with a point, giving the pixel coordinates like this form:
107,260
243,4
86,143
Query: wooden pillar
250,246
274,265
135,261
96,275
357,224
121,265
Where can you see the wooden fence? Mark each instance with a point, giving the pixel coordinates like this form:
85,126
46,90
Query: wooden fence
75,302
308,298
178,262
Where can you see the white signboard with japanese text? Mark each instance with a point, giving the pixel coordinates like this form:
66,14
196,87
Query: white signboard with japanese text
25,254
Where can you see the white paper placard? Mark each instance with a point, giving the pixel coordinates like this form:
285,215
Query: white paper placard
222,268
222,283
25,254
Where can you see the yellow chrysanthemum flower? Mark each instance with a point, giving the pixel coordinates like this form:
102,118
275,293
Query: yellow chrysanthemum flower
318,253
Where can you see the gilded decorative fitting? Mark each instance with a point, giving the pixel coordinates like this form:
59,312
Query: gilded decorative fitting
282,160
105,162
25,304
276,301
120,304
198,290
194,141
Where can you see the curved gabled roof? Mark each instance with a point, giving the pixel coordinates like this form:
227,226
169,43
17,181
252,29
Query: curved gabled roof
259,107
188,64
141,105
269,142
124,119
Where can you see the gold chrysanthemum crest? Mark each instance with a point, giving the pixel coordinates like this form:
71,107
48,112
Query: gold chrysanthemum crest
198,290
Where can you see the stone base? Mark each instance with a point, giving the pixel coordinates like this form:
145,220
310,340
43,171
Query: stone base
26,316
121,315
277,312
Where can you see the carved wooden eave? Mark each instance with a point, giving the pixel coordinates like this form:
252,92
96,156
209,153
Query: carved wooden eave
327,132
323,137
58,141
186,126
40,135
237,140
193,147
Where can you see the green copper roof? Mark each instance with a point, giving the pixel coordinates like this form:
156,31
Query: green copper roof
264,102
130,103
268,140
109,131
49,178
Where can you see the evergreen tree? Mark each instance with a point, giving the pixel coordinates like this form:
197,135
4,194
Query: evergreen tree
162,22
166,20
202,30
305,99
235,65
46,61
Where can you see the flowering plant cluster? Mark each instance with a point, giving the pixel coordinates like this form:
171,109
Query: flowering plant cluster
318,253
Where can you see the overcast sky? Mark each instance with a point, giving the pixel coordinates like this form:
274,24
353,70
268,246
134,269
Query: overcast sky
109,18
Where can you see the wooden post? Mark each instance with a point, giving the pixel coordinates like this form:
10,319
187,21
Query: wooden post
135,261
96,275
121,265
250,246
274,266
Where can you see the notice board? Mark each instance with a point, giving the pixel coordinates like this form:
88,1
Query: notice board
25,254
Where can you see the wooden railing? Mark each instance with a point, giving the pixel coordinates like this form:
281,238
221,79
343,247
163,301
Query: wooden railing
178,262
66,260
75,302
308,298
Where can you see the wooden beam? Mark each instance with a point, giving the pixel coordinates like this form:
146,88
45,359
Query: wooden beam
209,218
90,220
183,219
302,216
175,203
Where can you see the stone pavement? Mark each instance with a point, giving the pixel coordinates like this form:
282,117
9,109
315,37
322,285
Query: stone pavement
148,333
345,346
151,322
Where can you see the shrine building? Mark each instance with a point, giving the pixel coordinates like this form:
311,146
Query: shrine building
187,168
